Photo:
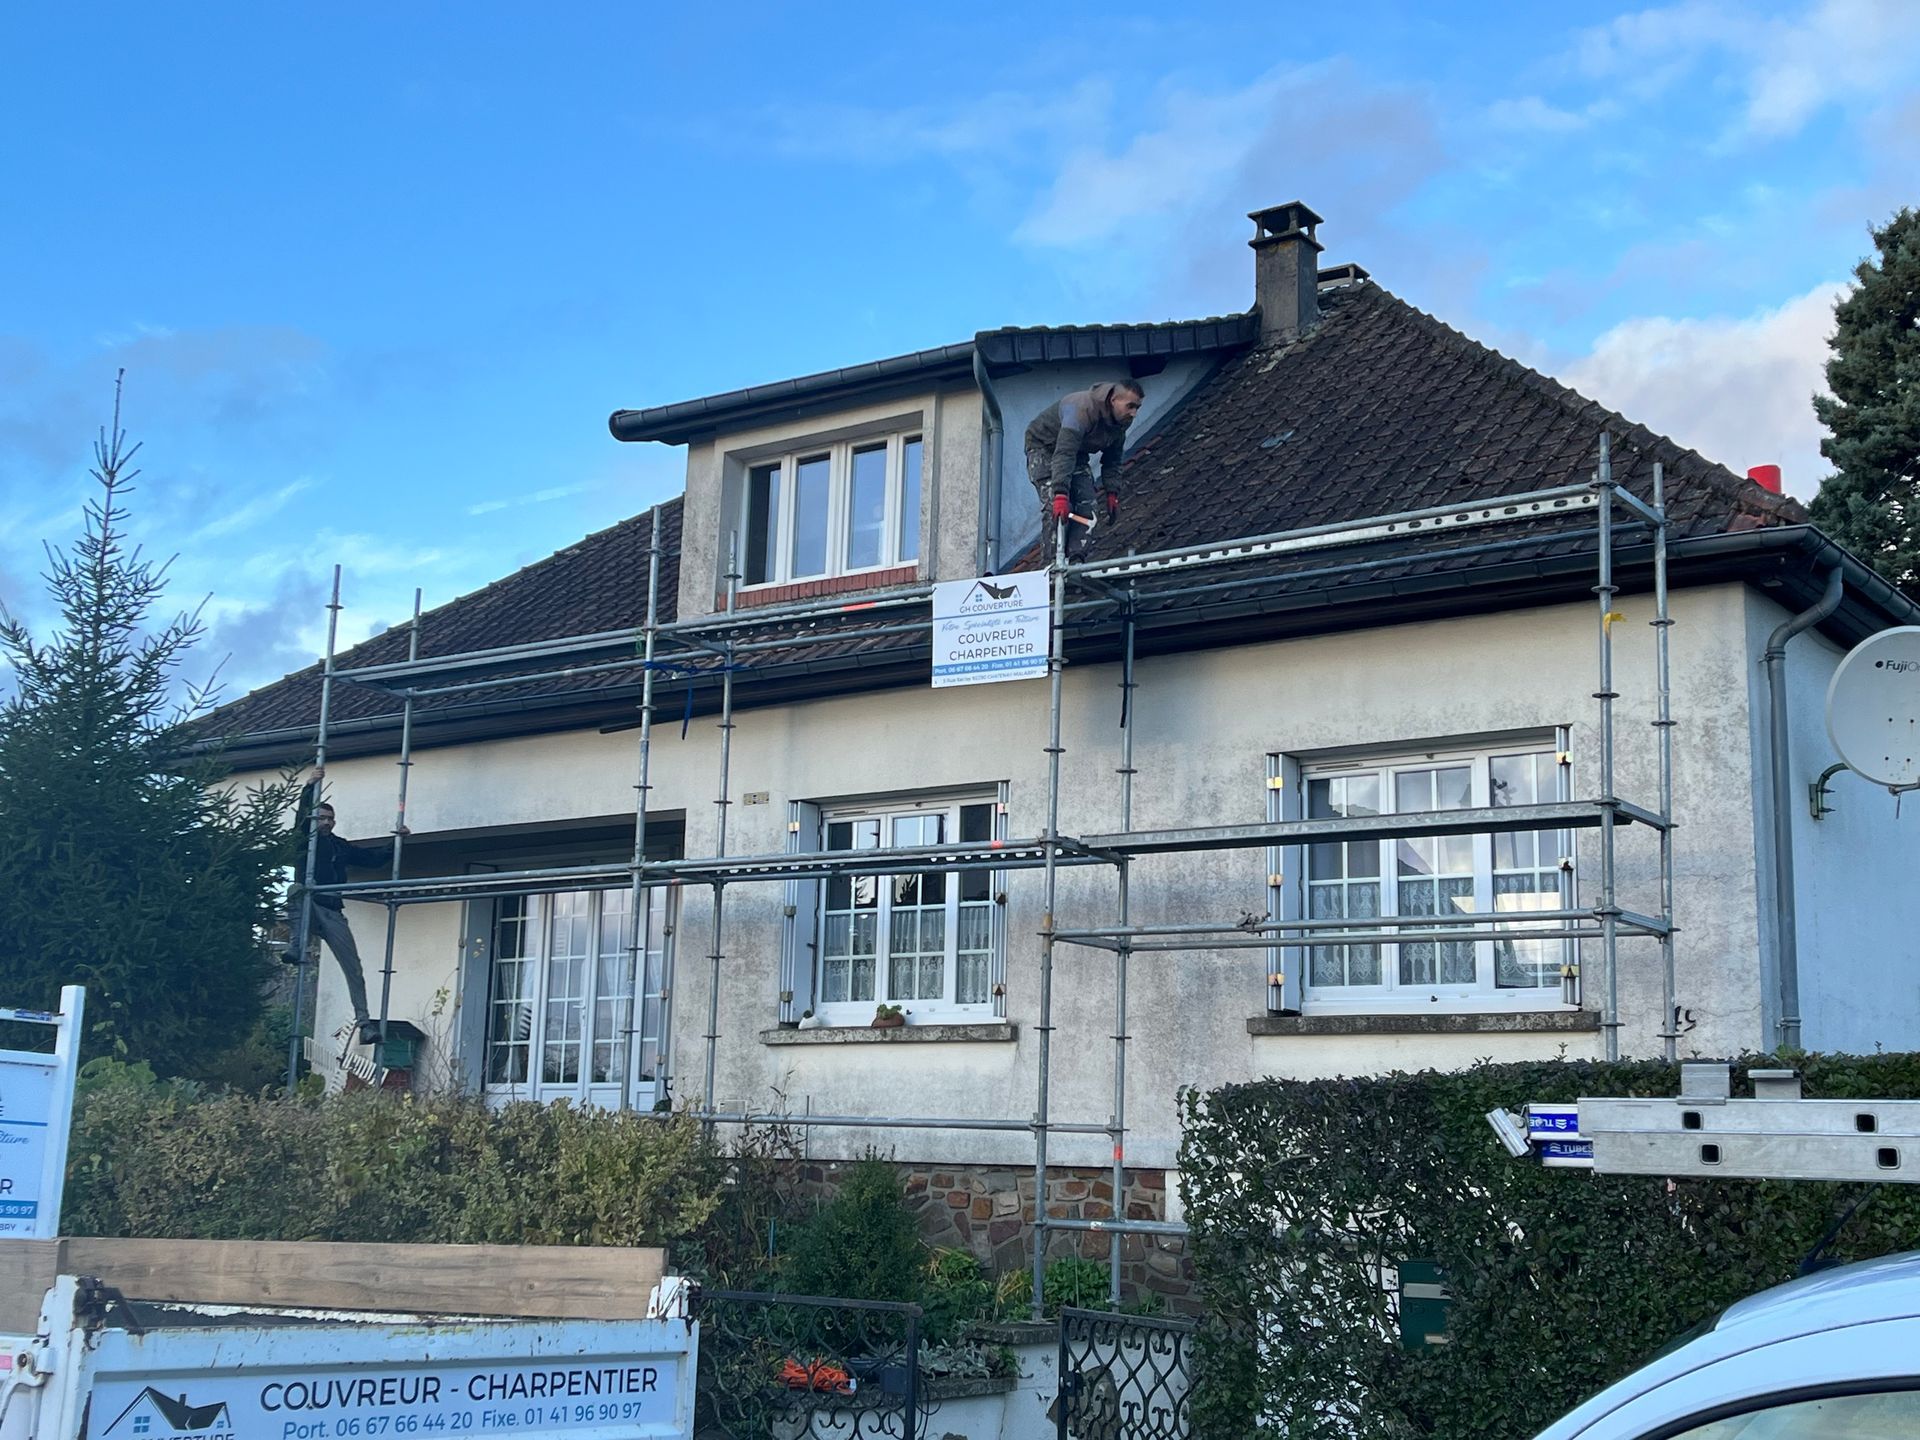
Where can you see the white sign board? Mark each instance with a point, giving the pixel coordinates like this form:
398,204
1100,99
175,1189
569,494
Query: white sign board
372,1380
990,629
36,1113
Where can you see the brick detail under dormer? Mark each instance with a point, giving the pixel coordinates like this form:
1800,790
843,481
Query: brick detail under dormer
814,589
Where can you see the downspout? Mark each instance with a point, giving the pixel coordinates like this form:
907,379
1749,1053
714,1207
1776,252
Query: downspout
987,551
1786,914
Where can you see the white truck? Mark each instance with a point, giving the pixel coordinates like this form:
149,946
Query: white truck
183,1340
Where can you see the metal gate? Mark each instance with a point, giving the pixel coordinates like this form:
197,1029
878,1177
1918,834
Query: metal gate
779,1366
1123,1377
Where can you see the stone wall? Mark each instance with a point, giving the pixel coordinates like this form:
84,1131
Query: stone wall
988,1210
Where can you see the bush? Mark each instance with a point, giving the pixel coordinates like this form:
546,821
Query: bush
862,1244
1076,1281
1302,1197
954,1294
158,1159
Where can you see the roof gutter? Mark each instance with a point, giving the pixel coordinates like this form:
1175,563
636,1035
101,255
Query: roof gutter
688,420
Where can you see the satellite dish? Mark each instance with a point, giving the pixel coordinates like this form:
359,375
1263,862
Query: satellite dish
1873,708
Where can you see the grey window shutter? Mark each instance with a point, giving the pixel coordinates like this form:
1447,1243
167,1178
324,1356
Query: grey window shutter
475,991
800,919
1286,800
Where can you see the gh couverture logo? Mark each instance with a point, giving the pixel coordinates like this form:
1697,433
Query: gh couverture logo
983,596
154,1414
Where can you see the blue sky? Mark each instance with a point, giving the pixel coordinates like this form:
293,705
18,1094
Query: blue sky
378,273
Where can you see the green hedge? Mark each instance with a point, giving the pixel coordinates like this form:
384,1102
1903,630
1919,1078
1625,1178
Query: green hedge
1302,1196
163,1160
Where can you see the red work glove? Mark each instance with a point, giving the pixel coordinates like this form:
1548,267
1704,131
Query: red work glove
1113,505
1059,507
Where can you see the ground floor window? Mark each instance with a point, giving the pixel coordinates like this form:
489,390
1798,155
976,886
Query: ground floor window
1485,875
574,1007
923,941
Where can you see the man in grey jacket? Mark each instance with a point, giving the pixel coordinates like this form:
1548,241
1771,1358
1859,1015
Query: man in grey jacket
1061,442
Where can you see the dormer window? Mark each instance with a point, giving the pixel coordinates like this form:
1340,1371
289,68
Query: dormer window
832,510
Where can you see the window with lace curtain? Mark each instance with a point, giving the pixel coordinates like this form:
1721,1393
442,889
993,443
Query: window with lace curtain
924,942
1488,876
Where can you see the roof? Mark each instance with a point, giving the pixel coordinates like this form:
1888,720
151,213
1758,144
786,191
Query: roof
1010,348
1045,344
1379,409
686,420
597,584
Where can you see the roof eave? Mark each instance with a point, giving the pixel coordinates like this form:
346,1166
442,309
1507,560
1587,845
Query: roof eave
689,420
1787,561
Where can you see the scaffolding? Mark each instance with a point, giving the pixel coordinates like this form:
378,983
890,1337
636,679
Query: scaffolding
1109,601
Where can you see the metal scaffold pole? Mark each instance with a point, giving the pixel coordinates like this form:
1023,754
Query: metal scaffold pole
1608,908
304,930
637,956
399,820
1056,666
1663,725
1113,598
721,803
1122,954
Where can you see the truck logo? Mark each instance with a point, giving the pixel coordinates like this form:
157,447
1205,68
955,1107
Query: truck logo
152,1413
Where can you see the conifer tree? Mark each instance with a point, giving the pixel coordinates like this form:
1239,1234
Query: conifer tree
1872,505
126,865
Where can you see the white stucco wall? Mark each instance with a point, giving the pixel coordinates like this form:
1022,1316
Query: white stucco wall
1205,722
1857,904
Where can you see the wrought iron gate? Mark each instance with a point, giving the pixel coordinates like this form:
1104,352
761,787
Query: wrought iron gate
807,1365
1123,1377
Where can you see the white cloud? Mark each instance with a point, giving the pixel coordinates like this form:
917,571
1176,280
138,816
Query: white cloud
1529,113
1738,390
1786,68
246,516
989,126
1200,140
536,497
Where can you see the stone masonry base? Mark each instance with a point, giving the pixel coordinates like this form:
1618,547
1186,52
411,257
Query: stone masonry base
988,1210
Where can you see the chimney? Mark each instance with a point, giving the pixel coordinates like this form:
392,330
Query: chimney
1767,477
1286,260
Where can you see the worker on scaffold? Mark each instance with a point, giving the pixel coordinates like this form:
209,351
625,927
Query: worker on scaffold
1061,443
331,857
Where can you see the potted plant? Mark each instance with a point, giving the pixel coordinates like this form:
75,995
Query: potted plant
888,1017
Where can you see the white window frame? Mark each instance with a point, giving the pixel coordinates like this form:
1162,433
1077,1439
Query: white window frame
839,455
1390,996
945,1009
538,923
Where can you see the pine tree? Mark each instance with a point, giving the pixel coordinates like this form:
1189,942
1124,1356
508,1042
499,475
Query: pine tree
1872,506
125,865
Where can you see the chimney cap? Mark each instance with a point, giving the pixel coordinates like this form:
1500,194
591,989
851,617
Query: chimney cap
1294,220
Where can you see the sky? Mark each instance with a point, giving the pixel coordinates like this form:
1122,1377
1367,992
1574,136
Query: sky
378,273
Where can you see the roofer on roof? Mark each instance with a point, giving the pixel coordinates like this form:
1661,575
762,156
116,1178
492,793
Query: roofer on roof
1061,442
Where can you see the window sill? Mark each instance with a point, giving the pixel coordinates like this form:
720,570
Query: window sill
998,1030
1498,1023
784,592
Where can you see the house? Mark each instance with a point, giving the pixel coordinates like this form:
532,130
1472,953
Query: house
1349,676
151,1413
